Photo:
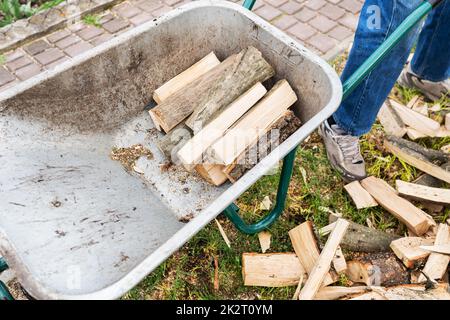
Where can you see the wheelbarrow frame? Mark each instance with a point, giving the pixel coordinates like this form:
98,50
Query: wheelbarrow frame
232,211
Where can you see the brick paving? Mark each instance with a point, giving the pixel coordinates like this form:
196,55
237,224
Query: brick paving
324,26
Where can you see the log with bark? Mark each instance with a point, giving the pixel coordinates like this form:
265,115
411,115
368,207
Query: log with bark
213,91
419,157
380,269
278,133
254,123
360,238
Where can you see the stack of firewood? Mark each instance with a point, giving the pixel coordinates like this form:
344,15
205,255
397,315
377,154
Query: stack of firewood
219,119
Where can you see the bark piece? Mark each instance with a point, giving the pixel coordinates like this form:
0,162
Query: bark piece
184,78
213,91
172,142
437,264
271,269
320,270
254,124
381,269
360,196
414,218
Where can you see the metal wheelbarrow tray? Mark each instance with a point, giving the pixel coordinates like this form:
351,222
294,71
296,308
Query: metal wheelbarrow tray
73,223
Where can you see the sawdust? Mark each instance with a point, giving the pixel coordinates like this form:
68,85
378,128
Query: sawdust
128,156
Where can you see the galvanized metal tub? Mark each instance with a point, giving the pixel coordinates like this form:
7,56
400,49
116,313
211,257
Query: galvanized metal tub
73,223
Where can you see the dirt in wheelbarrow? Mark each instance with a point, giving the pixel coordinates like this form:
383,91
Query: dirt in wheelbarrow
129,155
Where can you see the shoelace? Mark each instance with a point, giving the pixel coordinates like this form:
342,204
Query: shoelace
348,144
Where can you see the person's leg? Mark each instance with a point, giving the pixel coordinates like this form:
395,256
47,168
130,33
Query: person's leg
430,68
431,59
358,112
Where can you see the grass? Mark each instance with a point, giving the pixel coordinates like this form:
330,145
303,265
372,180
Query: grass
315,189
92,19
13,10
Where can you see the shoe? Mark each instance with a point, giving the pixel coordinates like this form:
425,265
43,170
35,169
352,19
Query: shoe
432,90
343,152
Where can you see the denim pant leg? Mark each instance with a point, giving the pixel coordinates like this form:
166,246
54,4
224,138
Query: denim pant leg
431,60
358,112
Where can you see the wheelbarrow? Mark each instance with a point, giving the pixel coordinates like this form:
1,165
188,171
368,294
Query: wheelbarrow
73,223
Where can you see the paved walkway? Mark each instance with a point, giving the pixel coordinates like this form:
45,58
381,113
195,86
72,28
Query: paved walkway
324,26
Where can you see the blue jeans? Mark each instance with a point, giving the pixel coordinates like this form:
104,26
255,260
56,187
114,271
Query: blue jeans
431,60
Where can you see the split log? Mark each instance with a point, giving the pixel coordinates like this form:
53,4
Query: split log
441,248
416,120
212,173
418,160
391,122
443,132
415,292
437,264
420,192
278,133
337,292
414,218
254,124
339,263
213,91
320,270
381,269
271,270
413,134
413,102
360,238
360,196
307,250
430,181
184,78
408,250
429,154
172,142
245,70
191,153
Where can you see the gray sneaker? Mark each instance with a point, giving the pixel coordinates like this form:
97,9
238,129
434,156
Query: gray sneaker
343,152
432,90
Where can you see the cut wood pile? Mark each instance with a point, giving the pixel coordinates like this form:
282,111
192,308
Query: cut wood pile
219,119
376,265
